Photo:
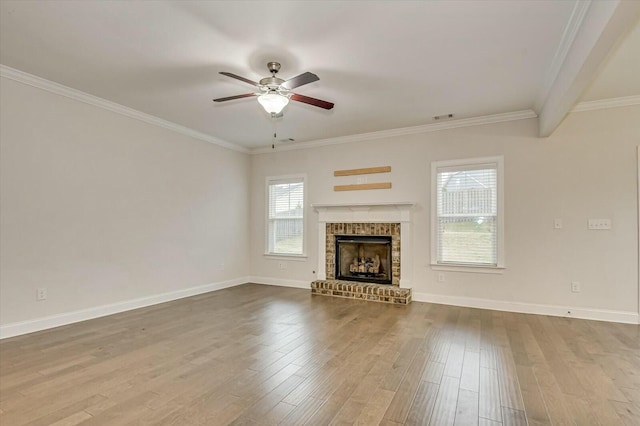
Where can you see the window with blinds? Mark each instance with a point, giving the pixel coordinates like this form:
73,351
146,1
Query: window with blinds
285,215
467,228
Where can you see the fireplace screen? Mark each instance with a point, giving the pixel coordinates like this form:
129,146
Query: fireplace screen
363,258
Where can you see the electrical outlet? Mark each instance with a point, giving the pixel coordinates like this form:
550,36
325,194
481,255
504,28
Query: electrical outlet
41,293
361,179
599,224
440,277
282,265
575,287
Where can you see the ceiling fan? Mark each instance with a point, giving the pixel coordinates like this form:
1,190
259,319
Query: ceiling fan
274,93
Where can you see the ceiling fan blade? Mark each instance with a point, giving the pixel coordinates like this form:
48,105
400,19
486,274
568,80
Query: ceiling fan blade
237,77
230,98
311,101
302,79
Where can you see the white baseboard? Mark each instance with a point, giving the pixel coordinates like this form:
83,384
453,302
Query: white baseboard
531,308
30,326
281,282
38,324
496,305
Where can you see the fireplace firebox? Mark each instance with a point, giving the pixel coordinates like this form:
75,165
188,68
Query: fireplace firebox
364,258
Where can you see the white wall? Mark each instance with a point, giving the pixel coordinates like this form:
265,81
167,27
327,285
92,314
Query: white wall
586,169
100,208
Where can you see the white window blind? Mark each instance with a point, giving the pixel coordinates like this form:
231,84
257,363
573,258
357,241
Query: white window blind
285,216
467,214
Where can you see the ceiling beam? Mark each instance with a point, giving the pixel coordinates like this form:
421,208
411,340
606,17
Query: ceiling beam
603,26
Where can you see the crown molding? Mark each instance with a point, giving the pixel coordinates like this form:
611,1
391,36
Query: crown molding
403,131
59,89
574,23
607,103
50,86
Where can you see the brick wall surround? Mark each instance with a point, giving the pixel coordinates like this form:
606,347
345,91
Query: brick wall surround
377,229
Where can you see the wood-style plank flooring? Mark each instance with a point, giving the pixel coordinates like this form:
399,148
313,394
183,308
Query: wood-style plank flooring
261,355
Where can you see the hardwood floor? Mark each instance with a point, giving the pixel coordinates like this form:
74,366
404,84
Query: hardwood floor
259,355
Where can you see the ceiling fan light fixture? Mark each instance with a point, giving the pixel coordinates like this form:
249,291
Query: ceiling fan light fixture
273,103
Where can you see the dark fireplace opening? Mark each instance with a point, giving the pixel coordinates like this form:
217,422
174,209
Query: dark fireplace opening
364,258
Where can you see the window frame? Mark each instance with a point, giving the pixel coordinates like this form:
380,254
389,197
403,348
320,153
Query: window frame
275,179
500,240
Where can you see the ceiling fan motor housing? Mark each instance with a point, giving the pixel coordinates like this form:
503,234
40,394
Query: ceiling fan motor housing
271,82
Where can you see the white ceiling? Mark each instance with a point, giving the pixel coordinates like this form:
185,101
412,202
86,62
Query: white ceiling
385,64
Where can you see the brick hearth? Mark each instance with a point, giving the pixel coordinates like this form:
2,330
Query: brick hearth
364,291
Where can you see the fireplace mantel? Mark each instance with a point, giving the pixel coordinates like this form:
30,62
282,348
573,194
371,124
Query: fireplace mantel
384,203
364,212
376,212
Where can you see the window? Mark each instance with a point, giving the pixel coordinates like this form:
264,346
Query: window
285,215
467,218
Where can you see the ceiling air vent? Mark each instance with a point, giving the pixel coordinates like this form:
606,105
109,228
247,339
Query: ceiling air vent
443,117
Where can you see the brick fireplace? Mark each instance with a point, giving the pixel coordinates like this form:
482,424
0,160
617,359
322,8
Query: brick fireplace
336,231
372,273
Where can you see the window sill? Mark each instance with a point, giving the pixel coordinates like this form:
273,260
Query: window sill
468,268
295,257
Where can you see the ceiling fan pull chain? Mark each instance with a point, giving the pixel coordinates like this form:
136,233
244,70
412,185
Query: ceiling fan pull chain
273,126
